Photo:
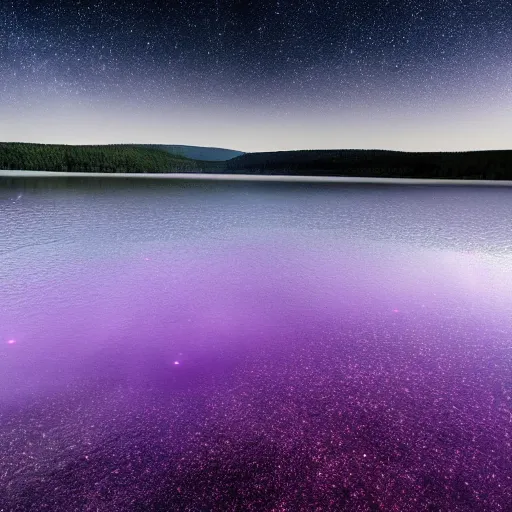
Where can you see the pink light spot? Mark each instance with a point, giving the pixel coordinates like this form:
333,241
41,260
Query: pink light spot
11,342
176,362
396,310
147,259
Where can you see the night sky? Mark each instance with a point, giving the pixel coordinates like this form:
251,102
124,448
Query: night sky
258,75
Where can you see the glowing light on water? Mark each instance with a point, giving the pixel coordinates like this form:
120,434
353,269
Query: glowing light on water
11,342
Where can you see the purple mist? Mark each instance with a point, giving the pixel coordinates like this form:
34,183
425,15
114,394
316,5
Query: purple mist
256,347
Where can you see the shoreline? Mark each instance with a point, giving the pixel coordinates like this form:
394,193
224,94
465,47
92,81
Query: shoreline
255,177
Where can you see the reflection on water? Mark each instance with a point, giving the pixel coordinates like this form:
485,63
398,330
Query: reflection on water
255,346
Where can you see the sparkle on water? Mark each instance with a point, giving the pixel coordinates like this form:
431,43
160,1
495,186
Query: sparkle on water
298,388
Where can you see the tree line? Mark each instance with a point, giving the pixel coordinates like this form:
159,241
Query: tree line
491,165
103,159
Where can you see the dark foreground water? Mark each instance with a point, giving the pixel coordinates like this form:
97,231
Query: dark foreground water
251,346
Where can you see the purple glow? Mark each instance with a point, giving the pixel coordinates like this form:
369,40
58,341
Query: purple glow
11,342
300,385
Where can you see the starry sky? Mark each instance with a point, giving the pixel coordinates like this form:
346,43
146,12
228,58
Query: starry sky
258,75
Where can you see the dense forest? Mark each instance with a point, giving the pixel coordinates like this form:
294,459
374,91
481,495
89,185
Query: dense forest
491,165
113,159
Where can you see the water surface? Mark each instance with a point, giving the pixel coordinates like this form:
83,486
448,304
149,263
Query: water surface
255,346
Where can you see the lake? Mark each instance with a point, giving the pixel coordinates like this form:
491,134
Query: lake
221,346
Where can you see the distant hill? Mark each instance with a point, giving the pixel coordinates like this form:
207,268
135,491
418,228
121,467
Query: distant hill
197,152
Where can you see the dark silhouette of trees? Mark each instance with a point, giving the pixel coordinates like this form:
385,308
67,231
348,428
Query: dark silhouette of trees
490,165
